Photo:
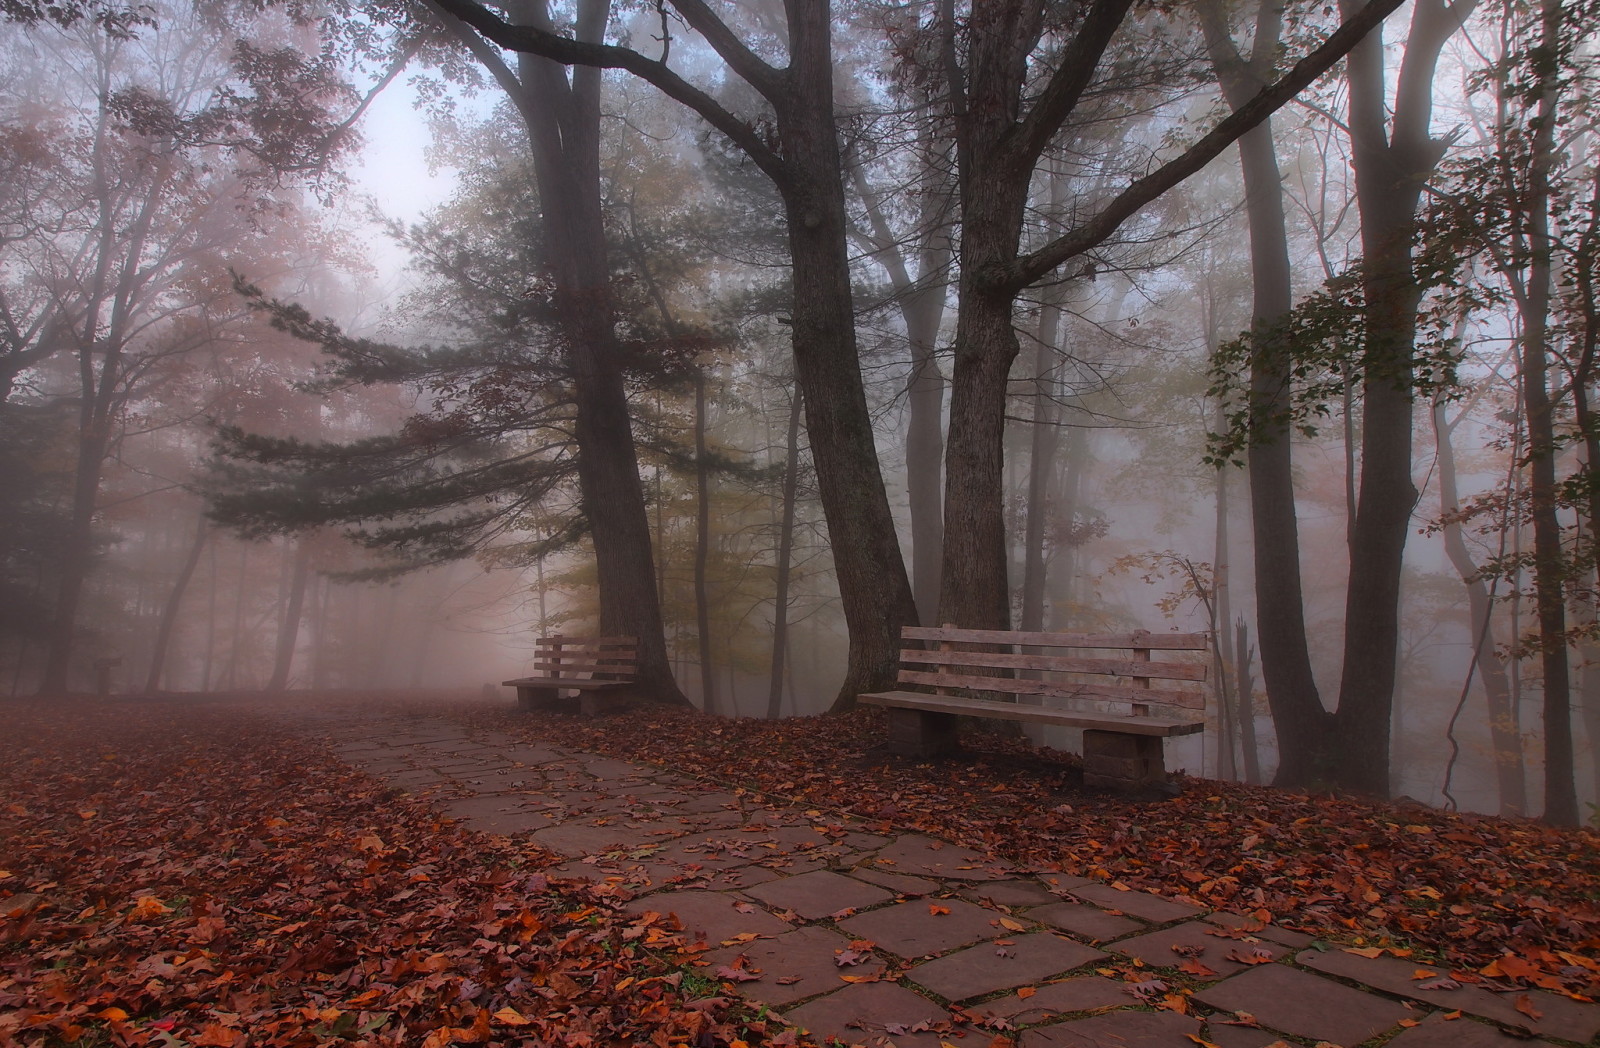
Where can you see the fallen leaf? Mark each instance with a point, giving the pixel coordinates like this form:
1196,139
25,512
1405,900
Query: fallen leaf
1524,1004
148,907
938,911
732,973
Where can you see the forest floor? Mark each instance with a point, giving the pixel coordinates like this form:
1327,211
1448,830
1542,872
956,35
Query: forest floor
216,874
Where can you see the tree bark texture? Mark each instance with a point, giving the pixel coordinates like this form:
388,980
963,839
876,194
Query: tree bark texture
874,589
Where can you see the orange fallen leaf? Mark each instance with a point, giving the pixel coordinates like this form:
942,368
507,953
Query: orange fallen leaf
1024,992
938,911
147,907
1365,951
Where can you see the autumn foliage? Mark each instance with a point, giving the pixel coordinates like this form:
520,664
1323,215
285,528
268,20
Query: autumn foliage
180,875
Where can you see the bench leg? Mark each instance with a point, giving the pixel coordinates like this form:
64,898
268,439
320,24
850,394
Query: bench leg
530,700
918,733
1122,762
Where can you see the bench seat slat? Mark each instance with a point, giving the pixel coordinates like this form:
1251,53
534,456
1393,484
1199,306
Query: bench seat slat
1138,639
579,683
1156,726
1056,663
1192,700
617,665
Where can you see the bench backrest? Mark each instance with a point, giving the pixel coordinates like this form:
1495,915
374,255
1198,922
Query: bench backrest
1091,666
591,658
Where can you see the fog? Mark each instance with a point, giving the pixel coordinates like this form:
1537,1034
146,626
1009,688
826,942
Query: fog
366,368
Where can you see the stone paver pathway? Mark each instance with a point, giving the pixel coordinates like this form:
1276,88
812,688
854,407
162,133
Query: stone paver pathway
909,941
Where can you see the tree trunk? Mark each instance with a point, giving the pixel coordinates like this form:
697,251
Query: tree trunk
1044,442
1301,722
1510,775
289,623
922,308
169,613
562,121
874,589
702,544
77,552
780,600
1392,160
1549,574
1229,715
1245,686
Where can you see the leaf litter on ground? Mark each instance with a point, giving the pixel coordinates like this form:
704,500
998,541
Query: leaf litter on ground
237,884
1504,902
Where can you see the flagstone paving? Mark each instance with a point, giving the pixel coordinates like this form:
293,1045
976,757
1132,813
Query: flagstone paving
901,939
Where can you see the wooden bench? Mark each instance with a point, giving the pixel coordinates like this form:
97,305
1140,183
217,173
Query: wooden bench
597,671
1110,695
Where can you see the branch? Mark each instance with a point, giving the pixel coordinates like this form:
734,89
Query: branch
1097,230
1072,76
764,78
534,41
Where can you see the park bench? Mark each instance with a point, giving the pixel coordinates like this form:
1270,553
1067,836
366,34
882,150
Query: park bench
597,671
1102,683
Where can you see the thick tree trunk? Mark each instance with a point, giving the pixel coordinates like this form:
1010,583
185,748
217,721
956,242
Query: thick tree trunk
1550,567
169,612
780,600
563,120
289,622
973,591
874,589
1392,160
